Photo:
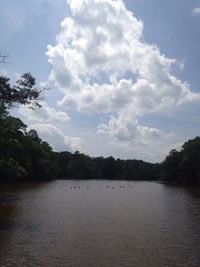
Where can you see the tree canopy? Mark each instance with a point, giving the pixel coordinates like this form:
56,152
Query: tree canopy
183,167
23,92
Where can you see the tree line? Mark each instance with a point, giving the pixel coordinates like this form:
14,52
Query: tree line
24,156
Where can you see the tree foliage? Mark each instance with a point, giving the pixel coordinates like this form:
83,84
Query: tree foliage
23,155
23,92
183,167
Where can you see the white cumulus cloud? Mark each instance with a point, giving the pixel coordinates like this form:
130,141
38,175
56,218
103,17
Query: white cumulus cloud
101,63
43,114
57,139
145,142
196,11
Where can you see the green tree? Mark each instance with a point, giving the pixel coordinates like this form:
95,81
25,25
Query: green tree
23,92
23,155
183,167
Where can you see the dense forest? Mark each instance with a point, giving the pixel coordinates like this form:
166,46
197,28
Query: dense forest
24,156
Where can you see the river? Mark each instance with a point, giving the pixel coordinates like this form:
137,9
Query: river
100,224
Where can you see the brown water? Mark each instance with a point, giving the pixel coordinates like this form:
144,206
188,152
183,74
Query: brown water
99,223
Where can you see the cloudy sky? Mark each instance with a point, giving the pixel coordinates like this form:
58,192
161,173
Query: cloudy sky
124,75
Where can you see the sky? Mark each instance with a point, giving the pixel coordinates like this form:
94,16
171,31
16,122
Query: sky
124,75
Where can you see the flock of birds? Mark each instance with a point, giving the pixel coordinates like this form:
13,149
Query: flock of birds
106,186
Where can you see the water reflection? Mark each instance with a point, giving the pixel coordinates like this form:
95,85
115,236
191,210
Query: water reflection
194,191
98,223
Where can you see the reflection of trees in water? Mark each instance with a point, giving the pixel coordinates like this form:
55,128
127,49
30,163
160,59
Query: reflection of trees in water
8,211
6,216
15,188
11,220
193,191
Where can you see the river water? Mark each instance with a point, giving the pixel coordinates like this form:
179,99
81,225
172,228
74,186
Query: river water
100,224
